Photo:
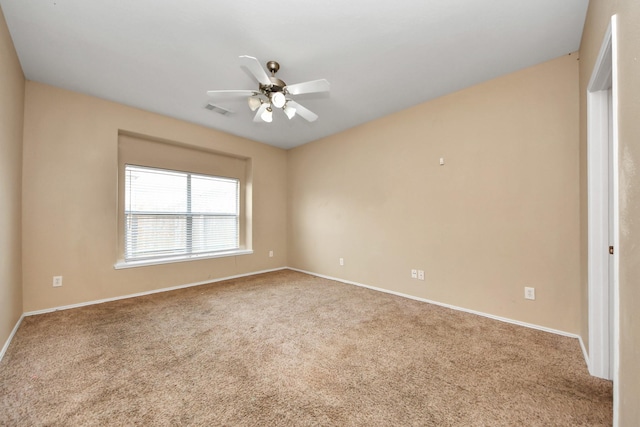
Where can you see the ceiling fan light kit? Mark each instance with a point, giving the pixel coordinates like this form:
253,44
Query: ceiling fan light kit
273,92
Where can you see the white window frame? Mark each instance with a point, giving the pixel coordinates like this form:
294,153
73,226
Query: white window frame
153,260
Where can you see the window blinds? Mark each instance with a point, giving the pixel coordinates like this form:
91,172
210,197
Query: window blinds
179,214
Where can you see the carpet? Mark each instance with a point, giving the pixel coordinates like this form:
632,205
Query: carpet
290,349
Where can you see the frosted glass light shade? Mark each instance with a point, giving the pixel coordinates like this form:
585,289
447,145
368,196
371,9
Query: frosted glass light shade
267,115
254,103
289,111
278,100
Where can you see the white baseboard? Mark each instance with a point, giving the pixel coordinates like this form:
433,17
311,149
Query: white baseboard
13,332
100,301
154,291
585,353
349,282
453,307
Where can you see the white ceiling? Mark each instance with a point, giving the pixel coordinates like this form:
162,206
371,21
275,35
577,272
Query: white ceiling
380,57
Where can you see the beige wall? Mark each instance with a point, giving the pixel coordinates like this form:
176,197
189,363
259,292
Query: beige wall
628,17
501,214
11,120
70,199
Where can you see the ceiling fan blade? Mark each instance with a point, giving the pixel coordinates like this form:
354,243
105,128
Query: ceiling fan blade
261,110
303,112
313,86
231,93
256,69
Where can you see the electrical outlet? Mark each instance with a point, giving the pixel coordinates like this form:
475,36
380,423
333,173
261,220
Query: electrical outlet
414,274
57,281
270,254
529,293
341,261
420,274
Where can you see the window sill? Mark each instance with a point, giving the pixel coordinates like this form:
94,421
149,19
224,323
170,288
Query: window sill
143,263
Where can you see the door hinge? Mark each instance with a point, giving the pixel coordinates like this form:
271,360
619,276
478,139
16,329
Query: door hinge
610,250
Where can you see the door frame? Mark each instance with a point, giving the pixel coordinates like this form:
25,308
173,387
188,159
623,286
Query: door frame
603,324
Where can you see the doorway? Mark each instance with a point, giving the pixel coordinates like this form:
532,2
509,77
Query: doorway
602,161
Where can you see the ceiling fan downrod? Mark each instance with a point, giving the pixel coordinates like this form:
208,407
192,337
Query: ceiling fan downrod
276,85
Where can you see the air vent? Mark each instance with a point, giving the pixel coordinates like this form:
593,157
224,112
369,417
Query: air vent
218,109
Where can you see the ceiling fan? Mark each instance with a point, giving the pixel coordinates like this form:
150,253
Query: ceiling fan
273,92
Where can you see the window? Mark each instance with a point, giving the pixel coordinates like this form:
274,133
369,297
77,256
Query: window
171,214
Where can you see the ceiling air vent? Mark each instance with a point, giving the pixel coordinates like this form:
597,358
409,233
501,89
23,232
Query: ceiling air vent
218,109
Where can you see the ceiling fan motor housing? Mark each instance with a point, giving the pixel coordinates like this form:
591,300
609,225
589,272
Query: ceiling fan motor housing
277,85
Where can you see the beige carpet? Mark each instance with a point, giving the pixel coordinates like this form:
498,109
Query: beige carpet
290,349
